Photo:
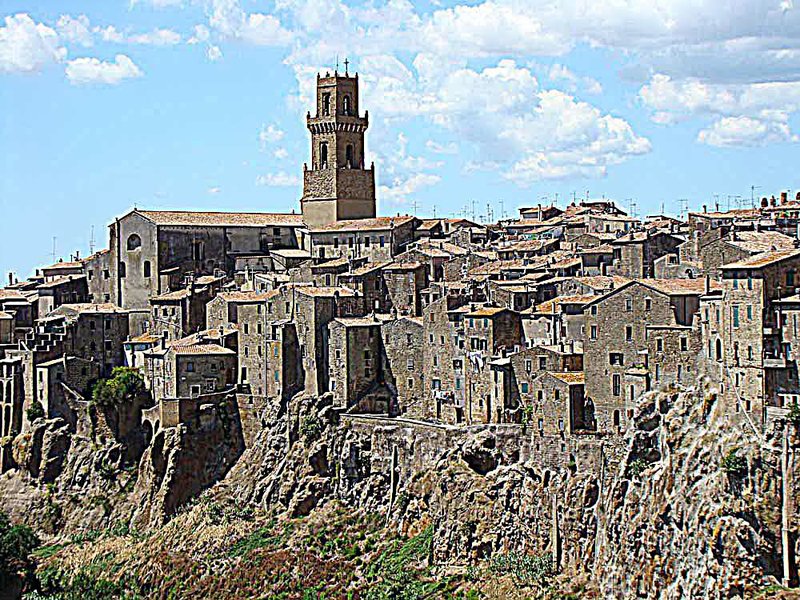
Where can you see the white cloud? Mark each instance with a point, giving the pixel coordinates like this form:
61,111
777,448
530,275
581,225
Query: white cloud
281,153
28,46
158,3
75,29
228,18
110,34
270,134
214,53
437,148
400,188
573,82
280,179
745,131
201,34
92,70
214,190
157,37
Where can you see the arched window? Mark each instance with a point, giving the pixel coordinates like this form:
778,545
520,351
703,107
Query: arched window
346,105
616,418
323,155
134,242
348,160
122,270
147,268
326,104
719,349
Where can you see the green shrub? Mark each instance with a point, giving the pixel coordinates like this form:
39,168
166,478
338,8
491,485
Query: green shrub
311,429
794,414
733,464
16,544
35,411
121,388
636,468
525,569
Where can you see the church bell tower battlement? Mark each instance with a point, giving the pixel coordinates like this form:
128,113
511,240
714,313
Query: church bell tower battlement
337,186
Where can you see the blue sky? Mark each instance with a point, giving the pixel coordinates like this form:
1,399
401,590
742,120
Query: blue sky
200,104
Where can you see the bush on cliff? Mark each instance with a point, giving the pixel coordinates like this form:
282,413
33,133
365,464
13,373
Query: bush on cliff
122,387
16,544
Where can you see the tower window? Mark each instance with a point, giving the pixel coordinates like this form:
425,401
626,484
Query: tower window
326,104
323,155
349,156
134,242
346,105
147,268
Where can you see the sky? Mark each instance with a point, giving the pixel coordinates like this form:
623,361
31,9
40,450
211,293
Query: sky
476,107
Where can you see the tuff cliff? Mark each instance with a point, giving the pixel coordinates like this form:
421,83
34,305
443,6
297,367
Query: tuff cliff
686,504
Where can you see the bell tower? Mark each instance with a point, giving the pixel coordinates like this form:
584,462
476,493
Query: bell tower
337,186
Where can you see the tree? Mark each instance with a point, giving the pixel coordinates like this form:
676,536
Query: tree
123,386
16,544
35,411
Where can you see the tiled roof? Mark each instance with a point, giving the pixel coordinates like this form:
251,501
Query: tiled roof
761,241
570,377
171,296
403,266
549,307
145,338
87,307
60,281
678,287
486,311
374,224
201,349
64,265
247,297
764,259
221,219
325,291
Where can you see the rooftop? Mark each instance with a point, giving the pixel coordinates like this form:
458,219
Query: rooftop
570,377
221,219
764,259
374,224
201,349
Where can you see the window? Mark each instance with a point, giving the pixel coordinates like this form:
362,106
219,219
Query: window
458,383
749,353
121,269
246,328
628,333
346,105
436,384
323,155
749,283
648,304
684,344
628,305
736,316
616,384
593,310
348,156
557,395
616,358
539,395
410,382
134,242
524,388
410,364
106,274
789,279
659,344
190,367
736,284
147,268
327,279
326,104
366,242
211,385
528,366
542,363
593,332
335,242
381,241
749,312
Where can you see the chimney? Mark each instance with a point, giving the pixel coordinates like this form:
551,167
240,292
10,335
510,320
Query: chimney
707,287
773,201
784,197
705,209
10,278
77,254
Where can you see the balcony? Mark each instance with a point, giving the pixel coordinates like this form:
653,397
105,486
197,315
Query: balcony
775,362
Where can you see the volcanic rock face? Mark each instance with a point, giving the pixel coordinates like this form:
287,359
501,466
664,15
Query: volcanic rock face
652,514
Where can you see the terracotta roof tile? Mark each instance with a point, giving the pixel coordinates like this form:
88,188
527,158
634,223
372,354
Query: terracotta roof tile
230,219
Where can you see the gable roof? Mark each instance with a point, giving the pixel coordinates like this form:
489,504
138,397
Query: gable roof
219,219
764,259
374,224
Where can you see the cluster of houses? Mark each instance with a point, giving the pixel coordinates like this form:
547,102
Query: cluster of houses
558,320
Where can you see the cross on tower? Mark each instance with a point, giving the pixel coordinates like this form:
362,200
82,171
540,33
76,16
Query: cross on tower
346,62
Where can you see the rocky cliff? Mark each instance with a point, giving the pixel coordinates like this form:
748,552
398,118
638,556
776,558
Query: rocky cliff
686,504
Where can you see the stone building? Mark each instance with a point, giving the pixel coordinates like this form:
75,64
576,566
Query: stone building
378,239
338,186
617,363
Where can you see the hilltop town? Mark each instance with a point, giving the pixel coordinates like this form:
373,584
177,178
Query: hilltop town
546,330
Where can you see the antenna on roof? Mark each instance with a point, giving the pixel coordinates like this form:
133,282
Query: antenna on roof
337,63
54,249
91,242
